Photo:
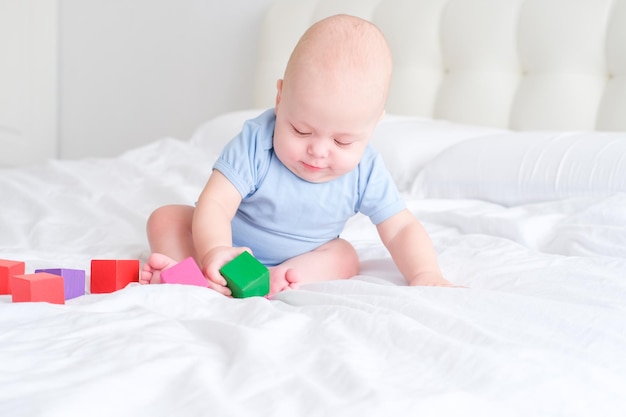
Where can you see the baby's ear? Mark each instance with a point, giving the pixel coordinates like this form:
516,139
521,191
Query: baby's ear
279,90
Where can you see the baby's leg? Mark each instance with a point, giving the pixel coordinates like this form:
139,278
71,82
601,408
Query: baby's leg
169,235
336,259
283,277
151,271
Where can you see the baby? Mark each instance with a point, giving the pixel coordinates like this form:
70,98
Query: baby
285,187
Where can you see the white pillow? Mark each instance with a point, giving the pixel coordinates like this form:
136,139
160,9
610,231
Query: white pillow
214,134
408,143
524,167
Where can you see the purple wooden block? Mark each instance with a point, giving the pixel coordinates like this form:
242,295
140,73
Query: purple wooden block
73,280
184,272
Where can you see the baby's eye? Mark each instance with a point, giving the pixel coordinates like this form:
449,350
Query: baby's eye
299,132
342,144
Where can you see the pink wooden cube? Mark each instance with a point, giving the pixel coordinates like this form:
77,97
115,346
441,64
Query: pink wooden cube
184,272
109,275
8,269
38,287
73,280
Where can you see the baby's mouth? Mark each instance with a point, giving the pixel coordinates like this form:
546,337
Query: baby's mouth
312,167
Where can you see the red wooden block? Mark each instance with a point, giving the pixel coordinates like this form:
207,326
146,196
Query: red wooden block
38,287
8,269
108,275
184,272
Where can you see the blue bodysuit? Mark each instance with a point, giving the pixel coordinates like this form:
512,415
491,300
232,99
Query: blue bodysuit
282,215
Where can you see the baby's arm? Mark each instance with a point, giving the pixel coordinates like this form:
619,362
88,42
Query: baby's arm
411,249
211,228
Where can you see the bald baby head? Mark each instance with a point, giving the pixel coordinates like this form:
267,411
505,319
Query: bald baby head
344,53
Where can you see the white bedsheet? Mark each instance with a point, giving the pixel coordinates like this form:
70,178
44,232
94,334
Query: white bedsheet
540,329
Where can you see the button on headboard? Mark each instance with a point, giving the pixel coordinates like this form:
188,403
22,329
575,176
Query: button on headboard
519,64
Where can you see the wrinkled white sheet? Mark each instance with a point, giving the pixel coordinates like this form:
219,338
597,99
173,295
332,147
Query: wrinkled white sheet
540,329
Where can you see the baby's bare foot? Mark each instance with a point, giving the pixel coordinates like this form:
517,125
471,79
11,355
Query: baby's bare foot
282,278
151,271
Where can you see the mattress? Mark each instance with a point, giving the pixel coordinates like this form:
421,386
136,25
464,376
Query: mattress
533,234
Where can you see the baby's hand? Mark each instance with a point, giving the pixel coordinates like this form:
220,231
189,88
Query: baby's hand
431,279
213,261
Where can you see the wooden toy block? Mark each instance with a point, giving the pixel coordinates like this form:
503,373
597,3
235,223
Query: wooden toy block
38,287
184,272
109,275
246,276
73,280
8,269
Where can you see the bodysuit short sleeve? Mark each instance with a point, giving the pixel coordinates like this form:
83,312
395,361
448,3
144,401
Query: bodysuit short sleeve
244,160
379,197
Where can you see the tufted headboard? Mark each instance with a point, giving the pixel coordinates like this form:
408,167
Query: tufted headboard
518,64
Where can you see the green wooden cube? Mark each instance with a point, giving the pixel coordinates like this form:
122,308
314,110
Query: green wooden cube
246,276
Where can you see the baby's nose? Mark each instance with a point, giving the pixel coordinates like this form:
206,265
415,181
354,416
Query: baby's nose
318,148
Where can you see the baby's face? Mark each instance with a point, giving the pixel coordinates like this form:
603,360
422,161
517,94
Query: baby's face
321,135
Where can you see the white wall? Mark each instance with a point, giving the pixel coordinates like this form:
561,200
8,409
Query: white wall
28,81
134,71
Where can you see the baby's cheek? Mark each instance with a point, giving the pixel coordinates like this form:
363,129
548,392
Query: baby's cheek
351,161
